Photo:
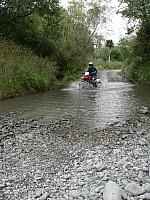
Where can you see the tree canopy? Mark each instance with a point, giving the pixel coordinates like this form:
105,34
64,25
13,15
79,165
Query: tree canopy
65,36
136,9
139,11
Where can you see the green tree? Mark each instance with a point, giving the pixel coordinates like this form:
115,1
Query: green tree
31,23
88,14
78,30
13,11
110,45
139,11
134,9
125,45
66,37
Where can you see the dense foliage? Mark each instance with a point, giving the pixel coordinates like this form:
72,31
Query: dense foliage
21,71
112,56
63,37
31,23
139,57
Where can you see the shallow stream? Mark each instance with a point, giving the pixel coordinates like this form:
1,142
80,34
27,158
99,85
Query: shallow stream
113,100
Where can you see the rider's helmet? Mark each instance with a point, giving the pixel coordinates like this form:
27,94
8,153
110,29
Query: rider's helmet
90,64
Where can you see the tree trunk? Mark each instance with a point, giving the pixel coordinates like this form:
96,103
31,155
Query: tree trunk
109,59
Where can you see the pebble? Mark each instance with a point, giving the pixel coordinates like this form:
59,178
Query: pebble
44,196
75,194
146,187
71,165
38,193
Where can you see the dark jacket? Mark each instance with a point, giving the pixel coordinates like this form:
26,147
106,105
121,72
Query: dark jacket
92,71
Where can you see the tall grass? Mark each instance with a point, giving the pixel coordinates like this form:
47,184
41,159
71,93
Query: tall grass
21,71
101,64
139,72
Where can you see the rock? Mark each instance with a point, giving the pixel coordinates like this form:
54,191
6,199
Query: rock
112,191
44,196
145,169
147,196
2,185
140,175
75,194
134,189
124,137
141,132
67,176
123,161
124,195
141,196
146,187
144,110
142,141
98,189
105,178
81,198
85,193
73,169
100,168
80,169
38,193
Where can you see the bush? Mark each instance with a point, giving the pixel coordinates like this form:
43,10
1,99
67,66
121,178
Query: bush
140,72
22,71
109,65
74,68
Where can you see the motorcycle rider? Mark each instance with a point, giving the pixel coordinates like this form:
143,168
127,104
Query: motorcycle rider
92,70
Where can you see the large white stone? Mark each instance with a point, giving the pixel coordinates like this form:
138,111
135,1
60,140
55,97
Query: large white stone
134,189
147,196
112,191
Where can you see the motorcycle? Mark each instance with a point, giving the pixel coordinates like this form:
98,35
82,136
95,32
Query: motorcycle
92,80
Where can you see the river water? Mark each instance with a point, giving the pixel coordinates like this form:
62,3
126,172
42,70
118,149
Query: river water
113,100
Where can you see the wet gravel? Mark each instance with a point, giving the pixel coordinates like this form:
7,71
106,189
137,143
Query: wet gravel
55,160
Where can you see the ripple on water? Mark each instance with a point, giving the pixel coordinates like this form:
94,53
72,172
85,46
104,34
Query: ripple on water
115,99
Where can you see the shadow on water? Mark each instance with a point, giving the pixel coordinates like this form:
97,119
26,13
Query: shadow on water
114,100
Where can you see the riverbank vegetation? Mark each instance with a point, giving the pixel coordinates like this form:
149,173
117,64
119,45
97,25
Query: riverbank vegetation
23,72
138,62
132,53
41,42
104,59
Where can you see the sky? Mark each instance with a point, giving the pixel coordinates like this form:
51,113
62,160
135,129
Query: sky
116,25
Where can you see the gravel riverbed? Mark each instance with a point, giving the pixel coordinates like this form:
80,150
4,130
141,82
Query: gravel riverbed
55,160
